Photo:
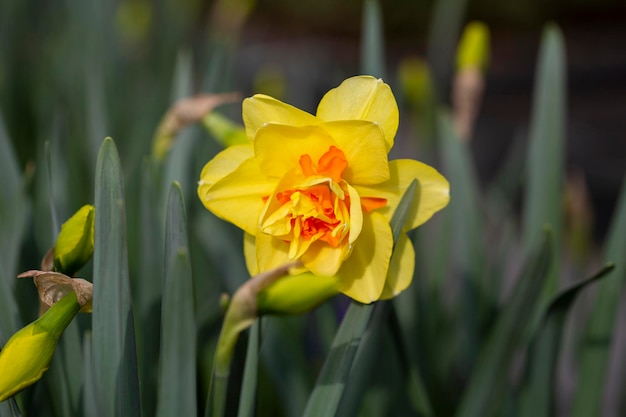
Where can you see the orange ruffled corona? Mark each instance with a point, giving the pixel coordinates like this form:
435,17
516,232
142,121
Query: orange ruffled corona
320,189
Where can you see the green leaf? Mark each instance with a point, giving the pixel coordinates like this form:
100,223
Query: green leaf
599,331
147,285
177,391
445,28
114,352
12,216
467,246
488,383
332,379
545,165
9,409
65,376
372,40
538,395
250,373
89,400
335,373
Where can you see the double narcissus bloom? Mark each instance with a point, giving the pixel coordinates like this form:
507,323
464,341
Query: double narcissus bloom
320,189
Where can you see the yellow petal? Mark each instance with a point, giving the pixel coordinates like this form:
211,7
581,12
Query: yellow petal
324,260
363,144
401,268
261,109
249,252
278,148
223,164
432,194
363,274
362,98
240,196
271,252
356,215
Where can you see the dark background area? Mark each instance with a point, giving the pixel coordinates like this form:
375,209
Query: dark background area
48,52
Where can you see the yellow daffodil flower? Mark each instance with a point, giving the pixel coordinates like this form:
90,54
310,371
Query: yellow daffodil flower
320,189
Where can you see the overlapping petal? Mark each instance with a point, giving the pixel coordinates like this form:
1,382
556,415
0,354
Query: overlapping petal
362,98
367,156
270,252
261,109
401,268
223,164
240,196
362,275
432,194
278,148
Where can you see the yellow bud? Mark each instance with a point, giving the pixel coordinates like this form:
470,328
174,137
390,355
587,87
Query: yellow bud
296,294
74,245
473,49
28,353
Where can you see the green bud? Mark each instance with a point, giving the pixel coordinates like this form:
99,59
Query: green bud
74,245
28,353
223,130
296,294
473,49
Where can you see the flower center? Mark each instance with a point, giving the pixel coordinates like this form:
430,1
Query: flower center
315,210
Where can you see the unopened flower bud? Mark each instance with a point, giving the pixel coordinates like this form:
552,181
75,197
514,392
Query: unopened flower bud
297,294
473,49
28,353
74,246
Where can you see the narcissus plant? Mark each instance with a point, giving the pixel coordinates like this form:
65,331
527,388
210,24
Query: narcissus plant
320,189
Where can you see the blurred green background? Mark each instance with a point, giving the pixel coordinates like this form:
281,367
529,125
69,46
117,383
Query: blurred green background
54,58
73,72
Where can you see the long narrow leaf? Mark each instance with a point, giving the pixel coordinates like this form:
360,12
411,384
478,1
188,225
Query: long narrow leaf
114,352
538,397
326,395
545,163
11,220
467,239
177,393
250,374
595,349
372,40
90,398
488,383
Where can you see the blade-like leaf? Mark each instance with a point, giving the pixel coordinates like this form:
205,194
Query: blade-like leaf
147,286
538,395
443,35
9,408
544,169
488,383
331,382
65,376
177,391
596,344
11,221
467,247
250,374
372,40
90,398
114,352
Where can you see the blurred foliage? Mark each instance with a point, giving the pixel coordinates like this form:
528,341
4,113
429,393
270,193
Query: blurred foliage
471,336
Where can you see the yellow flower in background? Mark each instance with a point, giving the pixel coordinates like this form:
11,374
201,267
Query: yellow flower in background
320,189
